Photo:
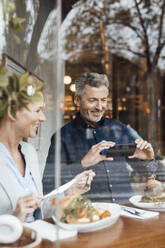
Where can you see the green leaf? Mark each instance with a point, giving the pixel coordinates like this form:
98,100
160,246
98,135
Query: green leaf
3,70
39,86
11,84
3,81
36,98
18,20
15,23
14,96
24,105
3,94
14,107
23,80
3,108
9,7
16,38
13,92
13,112
23,95
16,82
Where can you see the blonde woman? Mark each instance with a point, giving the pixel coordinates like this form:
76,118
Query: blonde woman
21,112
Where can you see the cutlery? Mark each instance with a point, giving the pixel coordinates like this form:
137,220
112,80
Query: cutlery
132,211
87,185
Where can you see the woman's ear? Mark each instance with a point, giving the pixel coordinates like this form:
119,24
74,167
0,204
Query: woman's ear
77,101
10,116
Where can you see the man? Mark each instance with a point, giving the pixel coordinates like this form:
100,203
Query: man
85,139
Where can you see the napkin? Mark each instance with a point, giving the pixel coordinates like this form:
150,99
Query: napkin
143,214
49,231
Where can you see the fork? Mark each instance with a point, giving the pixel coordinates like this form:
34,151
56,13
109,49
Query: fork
132,211
87,185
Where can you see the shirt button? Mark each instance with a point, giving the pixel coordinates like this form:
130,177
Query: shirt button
94,131
113,199
108,171
110,185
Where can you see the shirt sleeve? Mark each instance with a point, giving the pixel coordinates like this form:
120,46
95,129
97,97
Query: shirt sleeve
5,205
144,167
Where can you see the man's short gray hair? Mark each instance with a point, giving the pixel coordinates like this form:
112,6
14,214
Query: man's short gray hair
92,79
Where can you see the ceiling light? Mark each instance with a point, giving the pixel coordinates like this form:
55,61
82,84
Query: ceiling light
67,79
73,87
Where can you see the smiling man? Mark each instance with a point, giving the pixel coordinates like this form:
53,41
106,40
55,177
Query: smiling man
92,102
85,139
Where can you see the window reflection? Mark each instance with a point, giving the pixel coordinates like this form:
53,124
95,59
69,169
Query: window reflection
103,37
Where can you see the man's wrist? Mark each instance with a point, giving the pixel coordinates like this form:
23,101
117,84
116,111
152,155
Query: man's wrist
84,165
153,162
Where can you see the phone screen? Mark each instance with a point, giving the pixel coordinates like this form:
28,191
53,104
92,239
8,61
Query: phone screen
121,150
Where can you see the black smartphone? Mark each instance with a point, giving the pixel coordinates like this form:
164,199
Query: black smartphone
121,150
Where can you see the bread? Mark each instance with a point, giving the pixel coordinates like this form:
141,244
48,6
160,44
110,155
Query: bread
154,191
153,181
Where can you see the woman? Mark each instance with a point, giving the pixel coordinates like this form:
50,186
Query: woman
21,112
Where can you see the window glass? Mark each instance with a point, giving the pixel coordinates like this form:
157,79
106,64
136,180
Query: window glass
118,47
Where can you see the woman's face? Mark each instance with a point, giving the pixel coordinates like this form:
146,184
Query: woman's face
28,121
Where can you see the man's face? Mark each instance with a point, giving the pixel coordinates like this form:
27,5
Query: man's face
93,102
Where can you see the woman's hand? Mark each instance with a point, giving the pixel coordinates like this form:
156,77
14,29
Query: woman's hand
26,205
82,183
143,150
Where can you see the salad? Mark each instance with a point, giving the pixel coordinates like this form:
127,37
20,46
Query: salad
77,209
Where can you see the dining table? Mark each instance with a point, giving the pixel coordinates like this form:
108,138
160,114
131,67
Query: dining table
125,233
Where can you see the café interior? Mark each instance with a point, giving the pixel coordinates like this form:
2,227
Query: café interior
57,41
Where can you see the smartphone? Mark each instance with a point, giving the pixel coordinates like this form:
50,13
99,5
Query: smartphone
121,150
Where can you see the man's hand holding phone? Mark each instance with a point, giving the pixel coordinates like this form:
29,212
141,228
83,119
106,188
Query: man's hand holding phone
144,150
141,149
94,155
107,150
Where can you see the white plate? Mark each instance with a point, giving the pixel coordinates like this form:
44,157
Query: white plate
156,206
95,226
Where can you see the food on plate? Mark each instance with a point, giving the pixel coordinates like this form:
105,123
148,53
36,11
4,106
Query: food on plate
154,191
77,209
105,214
